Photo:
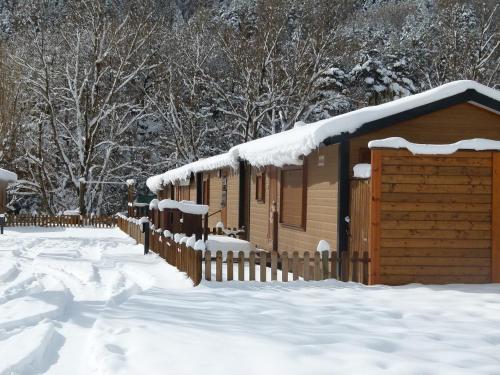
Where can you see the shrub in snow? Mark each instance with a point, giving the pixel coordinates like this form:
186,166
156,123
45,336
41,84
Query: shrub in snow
323,246
199,245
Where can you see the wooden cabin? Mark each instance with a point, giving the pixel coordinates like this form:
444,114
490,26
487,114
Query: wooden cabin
428,219
6,177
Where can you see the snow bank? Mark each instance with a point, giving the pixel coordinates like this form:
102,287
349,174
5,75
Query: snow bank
226,243
289,147
7,176
362,170
193,208
167,203
476,144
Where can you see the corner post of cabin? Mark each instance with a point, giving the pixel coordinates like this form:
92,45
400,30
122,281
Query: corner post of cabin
199,187
374,231
495,220
343,208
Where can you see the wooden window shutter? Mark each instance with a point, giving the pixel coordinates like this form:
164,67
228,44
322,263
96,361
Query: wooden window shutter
293,199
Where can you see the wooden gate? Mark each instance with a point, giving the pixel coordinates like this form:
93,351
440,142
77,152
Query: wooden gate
435,218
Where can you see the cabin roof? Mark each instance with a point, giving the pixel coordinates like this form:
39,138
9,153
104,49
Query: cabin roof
290,146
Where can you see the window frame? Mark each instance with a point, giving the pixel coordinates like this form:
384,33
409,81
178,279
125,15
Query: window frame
260,184
302,225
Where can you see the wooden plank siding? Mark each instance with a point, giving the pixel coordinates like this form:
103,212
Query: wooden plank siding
321,197
359,225
457,122
431,235
495,225
215,197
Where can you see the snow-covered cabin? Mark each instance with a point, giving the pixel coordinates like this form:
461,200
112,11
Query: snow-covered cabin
6,177
300,186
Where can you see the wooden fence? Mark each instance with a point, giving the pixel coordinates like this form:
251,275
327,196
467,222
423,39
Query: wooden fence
309,266
60,221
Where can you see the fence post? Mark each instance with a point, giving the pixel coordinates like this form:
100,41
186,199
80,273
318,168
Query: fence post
198,258
208,265
145,228
306,266
284,266
263,265
295,265
229,264
324,263
218,266
317,266
241,266
333,265
274,266
251,266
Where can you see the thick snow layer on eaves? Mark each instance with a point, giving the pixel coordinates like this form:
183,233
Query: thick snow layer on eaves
183,173
476,144
290,146
7,176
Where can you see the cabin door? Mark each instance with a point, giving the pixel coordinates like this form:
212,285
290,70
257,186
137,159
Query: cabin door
359,219
273,208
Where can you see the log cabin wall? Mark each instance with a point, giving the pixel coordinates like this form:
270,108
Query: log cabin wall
321,204
455,123
233,198
435,218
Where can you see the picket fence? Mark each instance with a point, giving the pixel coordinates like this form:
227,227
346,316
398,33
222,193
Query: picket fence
307,266
60,221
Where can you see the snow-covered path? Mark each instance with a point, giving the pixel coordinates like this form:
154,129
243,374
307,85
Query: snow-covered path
81,301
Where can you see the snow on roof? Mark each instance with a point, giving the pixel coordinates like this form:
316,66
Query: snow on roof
476,144
183,173
290,146
7,176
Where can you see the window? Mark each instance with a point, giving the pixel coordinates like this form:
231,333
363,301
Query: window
293,197
260,187
206,191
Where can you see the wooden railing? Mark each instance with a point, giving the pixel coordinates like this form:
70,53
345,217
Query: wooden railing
60,221
199,264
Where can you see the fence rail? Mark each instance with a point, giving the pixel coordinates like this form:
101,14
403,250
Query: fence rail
199,264
60,221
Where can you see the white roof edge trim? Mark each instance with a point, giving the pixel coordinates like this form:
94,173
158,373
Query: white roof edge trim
475,144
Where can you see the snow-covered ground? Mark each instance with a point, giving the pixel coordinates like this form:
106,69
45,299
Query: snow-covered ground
81,301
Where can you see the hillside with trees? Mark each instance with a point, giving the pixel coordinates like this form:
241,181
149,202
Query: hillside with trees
95,92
